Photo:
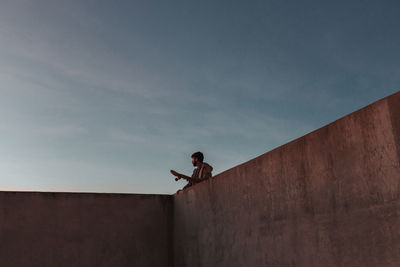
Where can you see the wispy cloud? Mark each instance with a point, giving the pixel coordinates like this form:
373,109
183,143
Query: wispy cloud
94,97
120,136
61,131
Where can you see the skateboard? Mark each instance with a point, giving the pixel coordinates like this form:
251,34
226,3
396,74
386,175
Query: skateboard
176,174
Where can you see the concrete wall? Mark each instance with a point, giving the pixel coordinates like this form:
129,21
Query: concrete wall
330,198
84,229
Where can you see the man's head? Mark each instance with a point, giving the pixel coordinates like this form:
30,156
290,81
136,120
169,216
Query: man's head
197,157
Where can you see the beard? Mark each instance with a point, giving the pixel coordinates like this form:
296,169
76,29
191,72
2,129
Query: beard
194,164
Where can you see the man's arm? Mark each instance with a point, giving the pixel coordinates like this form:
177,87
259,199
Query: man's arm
182,176
207,172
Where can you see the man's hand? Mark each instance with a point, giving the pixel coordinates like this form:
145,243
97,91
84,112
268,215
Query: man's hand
178,175
182,176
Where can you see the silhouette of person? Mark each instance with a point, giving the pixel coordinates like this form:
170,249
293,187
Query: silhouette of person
201,173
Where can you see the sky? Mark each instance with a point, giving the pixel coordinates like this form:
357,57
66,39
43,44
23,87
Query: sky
108,96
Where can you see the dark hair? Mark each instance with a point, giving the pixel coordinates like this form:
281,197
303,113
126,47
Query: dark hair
199,156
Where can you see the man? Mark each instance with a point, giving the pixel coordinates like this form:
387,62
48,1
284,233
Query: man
201,173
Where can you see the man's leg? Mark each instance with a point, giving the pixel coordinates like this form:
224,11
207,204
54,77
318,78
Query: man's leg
186,186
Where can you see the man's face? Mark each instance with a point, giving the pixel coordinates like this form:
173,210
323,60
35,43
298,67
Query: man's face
194,161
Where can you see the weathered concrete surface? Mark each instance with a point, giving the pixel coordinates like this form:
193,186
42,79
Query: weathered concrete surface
330,198
85,229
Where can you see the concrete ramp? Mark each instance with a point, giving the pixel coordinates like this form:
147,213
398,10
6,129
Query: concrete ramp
330,198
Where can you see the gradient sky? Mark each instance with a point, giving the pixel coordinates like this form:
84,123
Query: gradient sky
108,96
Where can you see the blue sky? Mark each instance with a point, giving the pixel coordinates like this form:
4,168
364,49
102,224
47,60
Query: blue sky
108,96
